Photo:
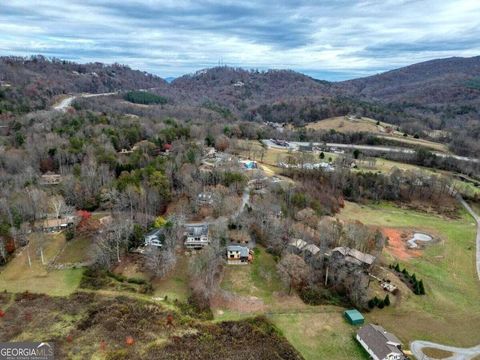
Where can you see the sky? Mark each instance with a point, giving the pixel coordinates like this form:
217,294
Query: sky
331,40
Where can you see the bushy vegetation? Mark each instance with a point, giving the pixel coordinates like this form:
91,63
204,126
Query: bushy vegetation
410,279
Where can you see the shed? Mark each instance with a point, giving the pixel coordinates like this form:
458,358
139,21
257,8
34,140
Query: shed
354,317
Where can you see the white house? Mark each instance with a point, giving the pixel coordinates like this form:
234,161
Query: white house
196,236
379,343
156,237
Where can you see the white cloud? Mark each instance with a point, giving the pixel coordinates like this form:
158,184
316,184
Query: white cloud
327,38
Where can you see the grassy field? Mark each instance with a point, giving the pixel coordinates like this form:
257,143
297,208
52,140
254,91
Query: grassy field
321,335
317,332
75,251
18,275
346,125
450,312
259,279
175,285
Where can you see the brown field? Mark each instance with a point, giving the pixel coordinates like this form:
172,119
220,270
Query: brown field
93,326
346,125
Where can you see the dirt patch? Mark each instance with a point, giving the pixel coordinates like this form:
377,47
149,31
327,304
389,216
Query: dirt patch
244,304
436,353
397,244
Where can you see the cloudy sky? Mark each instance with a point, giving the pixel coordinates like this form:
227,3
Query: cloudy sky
332,39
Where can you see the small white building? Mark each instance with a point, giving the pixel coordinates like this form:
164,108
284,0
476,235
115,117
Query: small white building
156,237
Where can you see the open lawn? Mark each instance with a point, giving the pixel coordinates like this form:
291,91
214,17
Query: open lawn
317,332
175,285
19,276
321,335
258,279
76,250
450,312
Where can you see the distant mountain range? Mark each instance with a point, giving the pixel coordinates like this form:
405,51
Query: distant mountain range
437,94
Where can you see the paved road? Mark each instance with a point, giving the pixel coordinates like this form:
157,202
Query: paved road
67,102
295,144
416,348
477,219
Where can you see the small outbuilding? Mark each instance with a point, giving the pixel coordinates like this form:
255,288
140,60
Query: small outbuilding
354,317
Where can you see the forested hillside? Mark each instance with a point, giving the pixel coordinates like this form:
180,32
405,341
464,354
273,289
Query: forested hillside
31,83
434,95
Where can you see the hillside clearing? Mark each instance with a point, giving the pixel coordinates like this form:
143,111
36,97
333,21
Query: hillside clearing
18,275
449,313
348,124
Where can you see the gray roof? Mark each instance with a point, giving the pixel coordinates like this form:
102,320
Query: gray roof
156,231
196,229
298,243
312,249
244,251
379,340
355,254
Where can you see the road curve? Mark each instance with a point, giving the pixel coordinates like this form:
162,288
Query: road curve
477,220
416,347
67,102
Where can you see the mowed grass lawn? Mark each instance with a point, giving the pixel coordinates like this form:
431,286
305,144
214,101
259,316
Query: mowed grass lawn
175,285
317,332
19,276
76,250
450,312
320,335
259,279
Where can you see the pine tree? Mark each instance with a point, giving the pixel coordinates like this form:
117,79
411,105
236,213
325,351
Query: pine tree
397,267
421,288
381,304
387,300
414,278
416,288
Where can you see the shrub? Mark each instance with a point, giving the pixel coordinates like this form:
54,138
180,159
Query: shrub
69,234
138,281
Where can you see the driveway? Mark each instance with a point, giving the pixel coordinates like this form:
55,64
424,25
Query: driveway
477,219
416,347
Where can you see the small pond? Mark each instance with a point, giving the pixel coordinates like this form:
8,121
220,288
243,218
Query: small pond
412,243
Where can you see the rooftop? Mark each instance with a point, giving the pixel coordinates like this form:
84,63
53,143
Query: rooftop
355,254
380,341
196,229
244,251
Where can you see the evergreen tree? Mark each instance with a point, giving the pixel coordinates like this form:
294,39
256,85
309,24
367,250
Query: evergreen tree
381,304
421,288
397,267
416,288
386,301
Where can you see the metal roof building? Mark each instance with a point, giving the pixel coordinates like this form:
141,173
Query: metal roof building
354,317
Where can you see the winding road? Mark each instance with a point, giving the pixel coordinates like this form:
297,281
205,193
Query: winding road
477,220
67,102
